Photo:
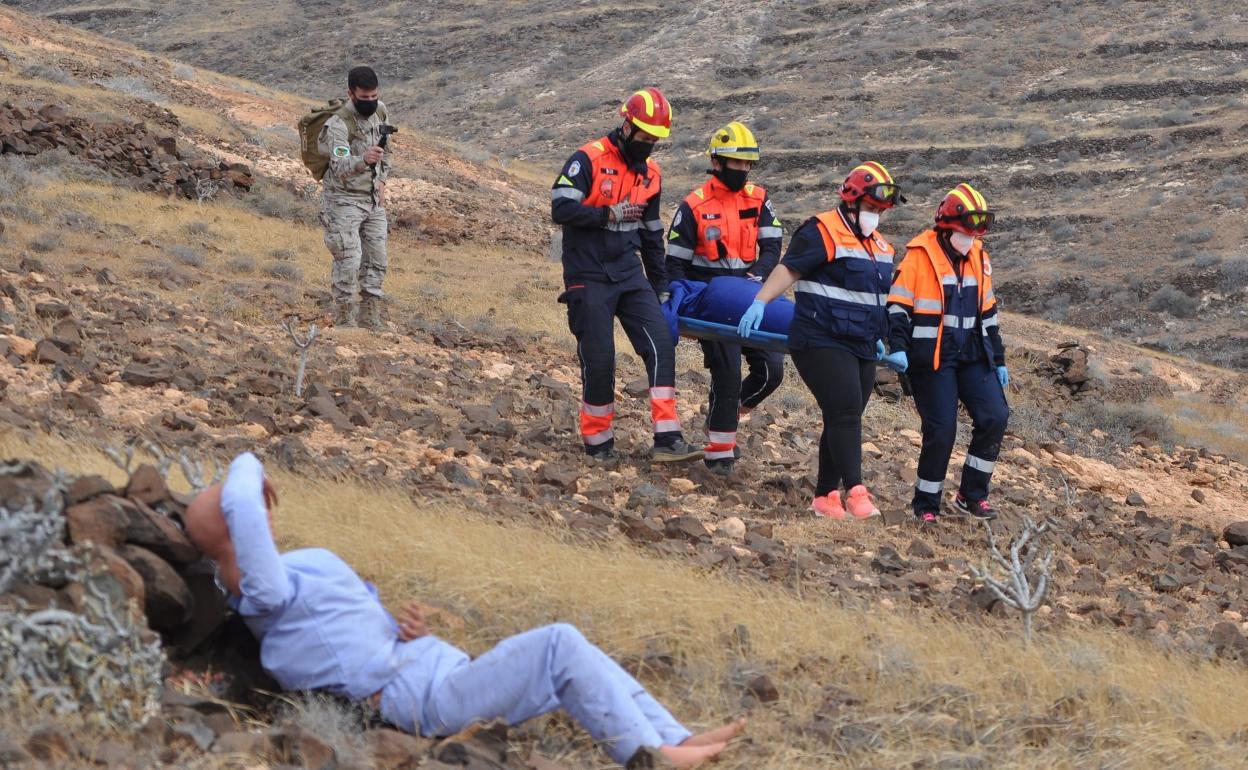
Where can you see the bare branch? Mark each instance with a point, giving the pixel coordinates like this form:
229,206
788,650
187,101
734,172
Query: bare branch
303,346
122,459
1026,588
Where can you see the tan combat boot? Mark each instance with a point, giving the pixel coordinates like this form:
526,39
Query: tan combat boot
370,312
345,315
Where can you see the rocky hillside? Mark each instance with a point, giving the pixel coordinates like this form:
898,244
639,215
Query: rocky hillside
136,310
1110,137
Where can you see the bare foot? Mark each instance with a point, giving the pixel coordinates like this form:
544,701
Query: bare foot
718,735
692,756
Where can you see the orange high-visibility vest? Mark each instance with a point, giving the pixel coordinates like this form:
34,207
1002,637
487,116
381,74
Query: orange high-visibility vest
920,285
727,218
614,181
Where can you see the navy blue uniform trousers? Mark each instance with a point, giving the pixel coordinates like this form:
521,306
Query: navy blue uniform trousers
936,395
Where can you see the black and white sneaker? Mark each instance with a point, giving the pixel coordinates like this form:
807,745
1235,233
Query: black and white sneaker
976,509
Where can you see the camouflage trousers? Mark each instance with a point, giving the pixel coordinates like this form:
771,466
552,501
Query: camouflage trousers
355,233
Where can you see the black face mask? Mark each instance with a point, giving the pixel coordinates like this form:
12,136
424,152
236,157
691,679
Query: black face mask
637,151
366,107
733,178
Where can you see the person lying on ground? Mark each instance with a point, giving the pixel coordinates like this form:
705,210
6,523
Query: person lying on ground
322,627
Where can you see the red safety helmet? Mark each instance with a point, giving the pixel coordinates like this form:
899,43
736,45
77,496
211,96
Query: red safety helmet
965,210
649,110
872,180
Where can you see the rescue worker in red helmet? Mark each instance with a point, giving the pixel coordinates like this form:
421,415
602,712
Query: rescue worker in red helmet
840,266
944,331
728,227
607,200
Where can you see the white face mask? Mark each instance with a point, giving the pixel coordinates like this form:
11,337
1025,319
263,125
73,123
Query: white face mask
961,242
868,221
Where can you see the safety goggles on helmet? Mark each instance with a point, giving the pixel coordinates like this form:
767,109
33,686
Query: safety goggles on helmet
885,193
974,221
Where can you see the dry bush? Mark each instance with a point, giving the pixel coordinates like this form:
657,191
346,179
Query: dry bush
1126,422
284,270
1173,300
47,241
131,85
187,255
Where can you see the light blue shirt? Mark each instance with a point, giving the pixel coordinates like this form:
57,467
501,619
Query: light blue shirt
320,626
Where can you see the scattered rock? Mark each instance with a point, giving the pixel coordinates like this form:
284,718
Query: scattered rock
1236,534
155,532
20,346
647,494
763,689
1136,500
48,352
688,527
455,472
168,601
1198,495
888,560
99,520
147,375
85,488
394,750
731,527
920,550
147,485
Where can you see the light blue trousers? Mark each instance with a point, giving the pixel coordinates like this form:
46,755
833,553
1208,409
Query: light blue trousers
528,675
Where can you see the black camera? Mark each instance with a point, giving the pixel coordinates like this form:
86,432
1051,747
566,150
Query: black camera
385,129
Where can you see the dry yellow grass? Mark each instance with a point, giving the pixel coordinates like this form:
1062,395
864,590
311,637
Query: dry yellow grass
1143,704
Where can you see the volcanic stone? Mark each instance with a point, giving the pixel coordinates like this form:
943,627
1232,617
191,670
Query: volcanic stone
1236,534
155,532
394,750
147,485
100,520
168,600
146,375
763,689
647,494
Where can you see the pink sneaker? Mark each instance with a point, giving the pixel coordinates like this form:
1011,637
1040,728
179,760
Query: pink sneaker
829,506
860,503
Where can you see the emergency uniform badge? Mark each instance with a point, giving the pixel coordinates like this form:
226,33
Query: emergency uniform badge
342,151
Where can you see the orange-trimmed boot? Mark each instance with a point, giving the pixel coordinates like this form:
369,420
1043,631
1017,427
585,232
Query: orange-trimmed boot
860,503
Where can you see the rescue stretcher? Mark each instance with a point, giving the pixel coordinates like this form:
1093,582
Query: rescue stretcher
712,311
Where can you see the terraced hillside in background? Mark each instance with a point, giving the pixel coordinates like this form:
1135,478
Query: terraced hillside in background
1109,135
440,457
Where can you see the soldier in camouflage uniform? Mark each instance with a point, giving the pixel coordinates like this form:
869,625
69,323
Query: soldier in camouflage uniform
353,201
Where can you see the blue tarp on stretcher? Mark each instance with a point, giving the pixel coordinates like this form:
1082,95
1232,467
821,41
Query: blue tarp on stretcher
711,311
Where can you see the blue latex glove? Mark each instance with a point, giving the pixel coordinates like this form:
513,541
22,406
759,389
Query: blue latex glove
897,361
879,350
1003,377
752,318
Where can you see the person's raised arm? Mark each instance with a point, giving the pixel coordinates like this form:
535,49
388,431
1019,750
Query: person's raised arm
263,582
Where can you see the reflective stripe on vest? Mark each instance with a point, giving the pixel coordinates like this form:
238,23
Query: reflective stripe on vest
934,274
844,295
840,243
716,211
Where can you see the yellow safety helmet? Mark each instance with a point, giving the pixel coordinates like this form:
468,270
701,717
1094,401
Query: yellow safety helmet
734,141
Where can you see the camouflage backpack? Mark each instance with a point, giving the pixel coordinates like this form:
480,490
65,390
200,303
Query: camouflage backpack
310,126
